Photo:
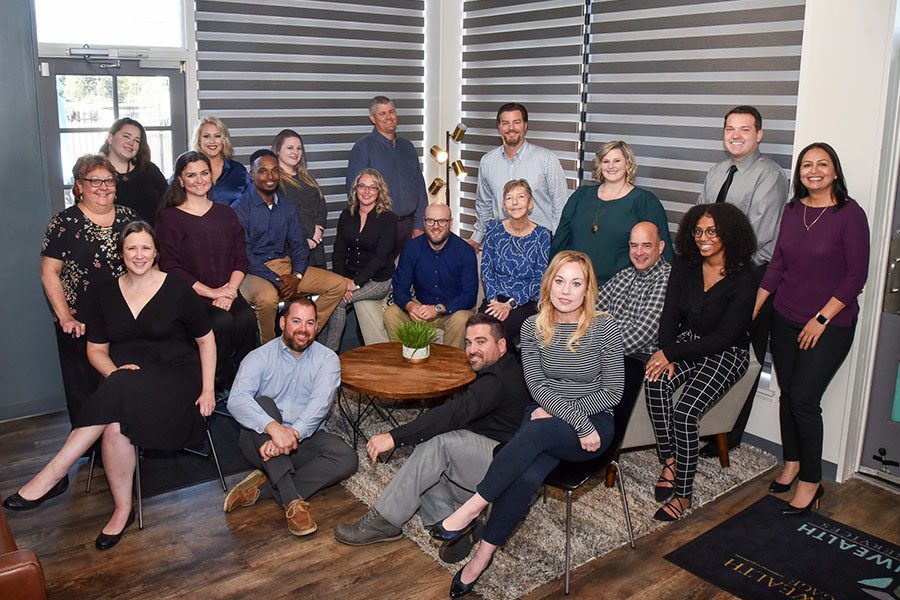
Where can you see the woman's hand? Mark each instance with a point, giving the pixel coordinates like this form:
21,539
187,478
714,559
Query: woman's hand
498,309
206,402
319,234
72,326
223,303
591,442
311,243
540,413
657,364
810,334
128,367
225,291
348,293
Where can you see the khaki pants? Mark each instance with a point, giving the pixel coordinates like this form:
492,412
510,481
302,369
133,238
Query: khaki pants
263,296
454,324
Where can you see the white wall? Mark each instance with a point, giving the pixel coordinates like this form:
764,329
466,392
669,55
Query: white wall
845,62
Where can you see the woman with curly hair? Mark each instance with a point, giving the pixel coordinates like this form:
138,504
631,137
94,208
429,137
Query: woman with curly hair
703,340
229,177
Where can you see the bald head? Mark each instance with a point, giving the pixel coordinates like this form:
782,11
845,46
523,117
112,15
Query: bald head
645,247
438,221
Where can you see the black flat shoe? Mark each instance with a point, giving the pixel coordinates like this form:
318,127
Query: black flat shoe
105,541
17,502
779,488
791,510
438,532
459,589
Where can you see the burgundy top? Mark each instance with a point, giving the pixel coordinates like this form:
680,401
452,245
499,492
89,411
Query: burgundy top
830,259
207,248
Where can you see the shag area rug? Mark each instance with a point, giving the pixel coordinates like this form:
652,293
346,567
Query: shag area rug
535,553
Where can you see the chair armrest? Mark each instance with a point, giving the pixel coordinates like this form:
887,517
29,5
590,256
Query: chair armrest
21,576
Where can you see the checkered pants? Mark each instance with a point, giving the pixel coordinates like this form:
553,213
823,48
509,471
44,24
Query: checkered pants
676,426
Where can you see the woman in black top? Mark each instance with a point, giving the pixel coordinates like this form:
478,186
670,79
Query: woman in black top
703,340
363,249
140,185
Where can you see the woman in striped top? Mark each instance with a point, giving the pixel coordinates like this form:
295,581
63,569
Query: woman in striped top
572,358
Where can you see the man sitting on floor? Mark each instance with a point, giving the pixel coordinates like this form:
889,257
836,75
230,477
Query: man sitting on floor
281,396
454,445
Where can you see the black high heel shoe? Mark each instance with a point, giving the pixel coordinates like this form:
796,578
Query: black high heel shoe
791,510
779,488
438,532
459,589
105,541
664,492
17,502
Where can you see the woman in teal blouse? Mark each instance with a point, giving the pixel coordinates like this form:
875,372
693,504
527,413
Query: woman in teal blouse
597,219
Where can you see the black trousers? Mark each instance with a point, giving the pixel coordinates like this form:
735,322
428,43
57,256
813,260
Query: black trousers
803,376
80,379
236,335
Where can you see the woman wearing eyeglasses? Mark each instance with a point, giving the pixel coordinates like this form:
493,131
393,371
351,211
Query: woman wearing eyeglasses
78,256
139,184
363,249
703,341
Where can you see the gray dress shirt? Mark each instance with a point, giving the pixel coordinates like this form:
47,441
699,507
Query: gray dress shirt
759,189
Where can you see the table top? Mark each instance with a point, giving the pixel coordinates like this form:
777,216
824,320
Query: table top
380,370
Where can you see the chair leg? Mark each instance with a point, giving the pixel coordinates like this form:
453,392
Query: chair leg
568,537
620,477
87,486
215,457
137,486
610,479
722,447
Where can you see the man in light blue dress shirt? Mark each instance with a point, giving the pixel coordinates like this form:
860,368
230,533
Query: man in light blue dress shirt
281,396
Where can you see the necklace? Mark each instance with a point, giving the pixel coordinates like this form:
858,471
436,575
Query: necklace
601,205
808,227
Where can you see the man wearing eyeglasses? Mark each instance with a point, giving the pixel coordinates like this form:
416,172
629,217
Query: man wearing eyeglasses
436,280
398,162
757,185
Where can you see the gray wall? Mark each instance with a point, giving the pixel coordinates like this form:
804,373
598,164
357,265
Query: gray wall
29,366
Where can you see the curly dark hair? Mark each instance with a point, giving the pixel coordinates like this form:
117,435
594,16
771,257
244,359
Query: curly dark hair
734,230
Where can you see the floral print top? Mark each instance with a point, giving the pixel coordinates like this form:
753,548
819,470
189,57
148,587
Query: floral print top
87,250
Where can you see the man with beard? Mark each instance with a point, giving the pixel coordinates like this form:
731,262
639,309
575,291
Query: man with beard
281,396
442,270
518,159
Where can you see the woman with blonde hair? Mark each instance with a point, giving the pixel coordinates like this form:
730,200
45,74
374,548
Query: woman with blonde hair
572,359
229,177
597,219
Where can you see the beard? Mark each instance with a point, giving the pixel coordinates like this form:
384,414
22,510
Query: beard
295,345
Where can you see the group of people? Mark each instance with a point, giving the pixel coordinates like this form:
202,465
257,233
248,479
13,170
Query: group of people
586,302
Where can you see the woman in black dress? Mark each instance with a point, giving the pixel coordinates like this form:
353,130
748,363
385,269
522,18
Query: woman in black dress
139,183
140,340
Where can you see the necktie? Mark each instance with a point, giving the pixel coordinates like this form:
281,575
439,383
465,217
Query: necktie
723,193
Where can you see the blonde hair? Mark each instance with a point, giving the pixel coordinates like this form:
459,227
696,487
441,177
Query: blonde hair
545,322
383,204
227,148
630,163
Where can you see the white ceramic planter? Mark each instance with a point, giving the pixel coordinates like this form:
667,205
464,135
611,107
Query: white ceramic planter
416,355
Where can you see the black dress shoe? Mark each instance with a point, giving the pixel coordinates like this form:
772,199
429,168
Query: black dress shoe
105,541
791,510
779,488
459,589
438,532
17,502
458,550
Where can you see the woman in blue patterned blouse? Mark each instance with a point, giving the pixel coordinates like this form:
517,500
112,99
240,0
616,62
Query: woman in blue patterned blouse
514,256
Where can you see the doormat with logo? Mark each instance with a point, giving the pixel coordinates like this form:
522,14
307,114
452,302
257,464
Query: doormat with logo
759,554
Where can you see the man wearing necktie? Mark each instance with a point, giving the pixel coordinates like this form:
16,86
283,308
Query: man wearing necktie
757,185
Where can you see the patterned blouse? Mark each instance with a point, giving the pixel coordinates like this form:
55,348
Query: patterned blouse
87,250
512,265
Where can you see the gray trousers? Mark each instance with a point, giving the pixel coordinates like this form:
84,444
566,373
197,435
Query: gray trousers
441,474
334,329
321,460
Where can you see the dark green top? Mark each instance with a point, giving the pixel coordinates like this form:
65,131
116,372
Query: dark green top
608,246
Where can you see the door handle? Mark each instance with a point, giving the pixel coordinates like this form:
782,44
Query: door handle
892,270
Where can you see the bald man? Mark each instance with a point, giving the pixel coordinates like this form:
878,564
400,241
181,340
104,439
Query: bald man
436,280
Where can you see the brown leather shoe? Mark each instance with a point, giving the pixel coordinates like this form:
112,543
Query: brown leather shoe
299,521
245,493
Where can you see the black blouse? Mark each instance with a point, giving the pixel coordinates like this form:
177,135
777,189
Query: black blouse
311,209
141,190
366,255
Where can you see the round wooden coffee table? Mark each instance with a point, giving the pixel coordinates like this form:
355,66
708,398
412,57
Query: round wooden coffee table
384,379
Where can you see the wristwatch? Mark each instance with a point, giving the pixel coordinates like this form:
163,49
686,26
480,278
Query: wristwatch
513,303
440,309
822,319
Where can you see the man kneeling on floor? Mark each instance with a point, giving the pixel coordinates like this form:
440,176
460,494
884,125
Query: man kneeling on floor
281,396
454,445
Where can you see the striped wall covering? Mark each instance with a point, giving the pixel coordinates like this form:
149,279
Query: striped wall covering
311,66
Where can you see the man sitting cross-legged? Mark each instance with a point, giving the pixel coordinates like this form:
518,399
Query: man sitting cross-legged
281,396
454,444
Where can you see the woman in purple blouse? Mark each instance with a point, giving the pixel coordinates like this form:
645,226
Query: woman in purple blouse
202,242
819,268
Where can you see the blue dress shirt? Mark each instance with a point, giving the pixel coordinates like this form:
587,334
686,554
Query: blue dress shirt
302,388
232,183
271,233
398,163
448,277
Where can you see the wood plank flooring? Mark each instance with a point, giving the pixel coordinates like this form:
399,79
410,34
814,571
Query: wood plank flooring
190,548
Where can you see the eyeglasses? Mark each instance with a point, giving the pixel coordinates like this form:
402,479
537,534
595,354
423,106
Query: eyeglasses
711,232
438,222
362,186
96,182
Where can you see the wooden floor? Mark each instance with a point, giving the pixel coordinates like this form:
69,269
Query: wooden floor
190,548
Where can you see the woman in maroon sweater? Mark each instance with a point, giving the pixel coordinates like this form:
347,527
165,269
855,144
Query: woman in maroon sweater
202,242
818,269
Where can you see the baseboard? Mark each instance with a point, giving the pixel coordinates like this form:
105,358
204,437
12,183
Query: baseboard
829,469
32,408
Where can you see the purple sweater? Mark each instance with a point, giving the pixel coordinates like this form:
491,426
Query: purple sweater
809,267
205,249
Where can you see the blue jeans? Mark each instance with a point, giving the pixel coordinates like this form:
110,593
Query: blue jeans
520,467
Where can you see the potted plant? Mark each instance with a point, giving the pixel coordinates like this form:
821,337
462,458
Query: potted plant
416,337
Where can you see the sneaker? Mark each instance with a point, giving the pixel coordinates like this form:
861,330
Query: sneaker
245,493
299,521
460,549
371,528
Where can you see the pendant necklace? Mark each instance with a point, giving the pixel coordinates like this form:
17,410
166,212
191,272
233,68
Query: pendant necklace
600,199
816,220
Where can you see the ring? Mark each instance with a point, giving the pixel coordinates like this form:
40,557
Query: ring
656,364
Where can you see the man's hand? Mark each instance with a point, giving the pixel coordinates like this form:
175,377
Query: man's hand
412,309
284,437
427,312
287,286
268,450
417,232
383,442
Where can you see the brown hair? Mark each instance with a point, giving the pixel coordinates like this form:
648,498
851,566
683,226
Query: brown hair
138,227
84,165
142,158
303,174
